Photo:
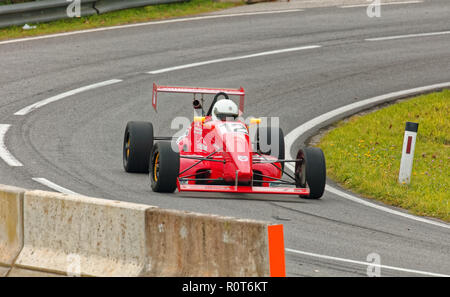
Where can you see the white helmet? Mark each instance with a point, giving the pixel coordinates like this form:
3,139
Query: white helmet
225,108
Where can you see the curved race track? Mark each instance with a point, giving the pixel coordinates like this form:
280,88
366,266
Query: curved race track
76,142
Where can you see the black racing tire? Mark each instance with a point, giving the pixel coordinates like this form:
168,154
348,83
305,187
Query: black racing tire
311,171
264,135
165,167
137,146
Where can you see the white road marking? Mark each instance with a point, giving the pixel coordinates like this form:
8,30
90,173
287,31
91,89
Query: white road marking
41,103
365,263
54,186
382,208
386,3
149,24
4,152
408,36
318,121
274,52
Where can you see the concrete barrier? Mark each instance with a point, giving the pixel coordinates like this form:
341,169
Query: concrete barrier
48,234
4,271
20,272
78,235
11,225
189,244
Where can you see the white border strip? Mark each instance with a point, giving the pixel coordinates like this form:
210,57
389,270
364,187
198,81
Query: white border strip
54,186
148,24
4,153
274,52
381,4
408,36
302,129
41,103
366,263
382,208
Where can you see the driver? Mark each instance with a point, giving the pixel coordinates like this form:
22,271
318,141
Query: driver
225,109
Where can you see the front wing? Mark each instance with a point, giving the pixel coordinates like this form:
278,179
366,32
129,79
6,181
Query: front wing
243,189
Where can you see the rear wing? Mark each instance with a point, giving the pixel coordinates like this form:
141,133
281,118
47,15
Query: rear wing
169,89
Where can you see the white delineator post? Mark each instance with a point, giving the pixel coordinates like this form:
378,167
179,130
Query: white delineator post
409,143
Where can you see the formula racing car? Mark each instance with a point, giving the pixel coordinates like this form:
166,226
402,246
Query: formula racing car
218,153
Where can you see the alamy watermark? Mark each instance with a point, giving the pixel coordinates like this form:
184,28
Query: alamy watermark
374,268
374,9
232,133
74,9
73,265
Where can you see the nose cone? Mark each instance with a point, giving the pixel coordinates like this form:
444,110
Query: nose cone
238,148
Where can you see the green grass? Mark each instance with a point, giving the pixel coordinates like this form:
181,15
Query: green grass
127,16
7,2
363,154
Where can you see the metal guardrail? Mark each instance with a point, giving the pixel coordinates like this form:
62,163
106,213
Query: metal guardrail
40,11
51,10
103,6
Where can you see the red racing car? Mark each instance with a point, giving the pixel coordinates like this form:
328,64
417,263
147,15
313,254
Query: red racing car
216,152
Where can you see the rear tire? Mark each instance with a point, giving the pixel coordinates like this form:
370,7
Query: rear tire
264,142
311,171
137,146
165,167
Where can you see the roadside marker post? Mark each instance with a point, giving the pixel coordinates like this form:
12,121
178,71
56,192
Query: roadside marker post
277,259
409,143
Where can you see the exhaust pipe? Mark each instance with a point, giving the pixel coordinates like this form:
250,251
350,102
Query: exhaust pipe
196,103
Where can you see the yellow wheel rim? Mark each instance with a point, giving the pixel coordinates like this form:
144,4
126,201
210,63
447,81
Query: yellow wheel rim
128,148
155,168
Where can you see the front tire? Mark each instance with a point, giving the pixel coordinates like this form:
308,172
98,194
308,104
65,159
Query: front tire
137,145
165,167
311,171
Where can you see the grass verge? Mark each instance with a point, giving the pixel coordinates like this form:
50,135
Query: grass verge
363,154
127,16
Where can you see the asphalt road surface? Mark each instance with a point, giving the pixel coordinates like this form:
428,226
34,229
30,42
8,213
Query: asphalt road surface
76,142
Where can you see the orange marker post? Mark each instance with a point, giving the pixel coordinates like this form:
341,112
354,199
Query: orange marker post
276,251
